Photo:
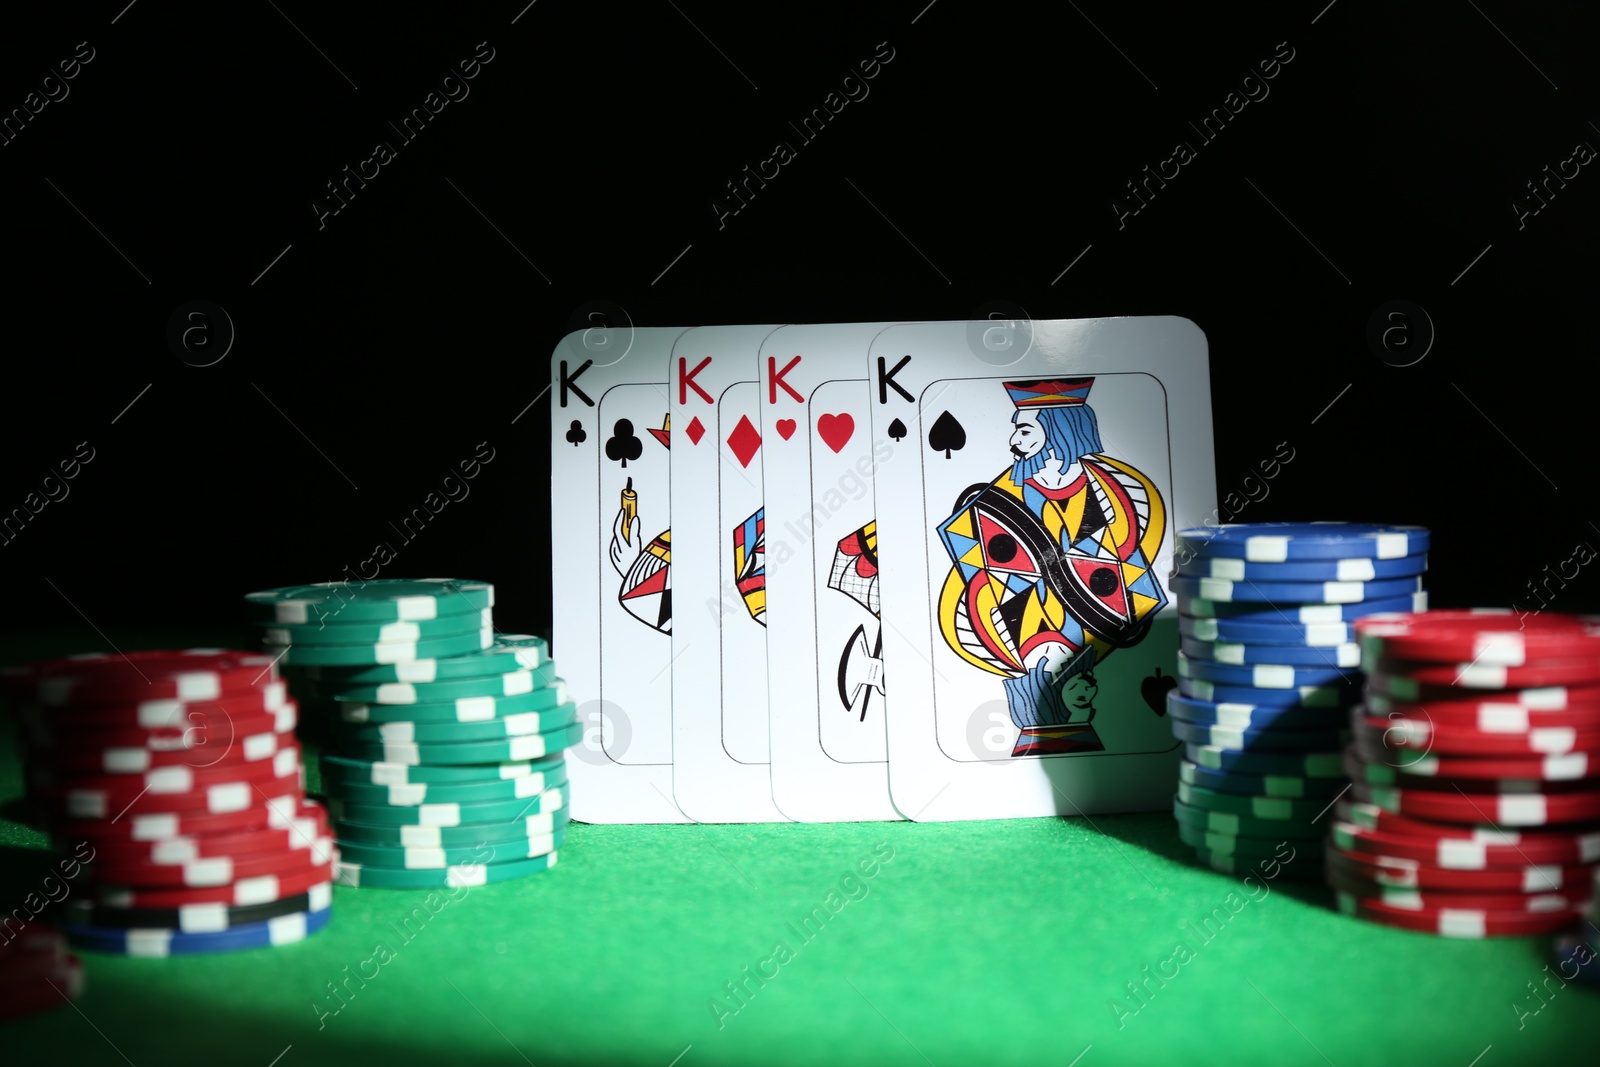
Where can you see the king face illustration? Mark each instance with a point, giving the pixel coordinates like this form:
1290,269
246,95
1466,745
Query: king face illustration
750,564
646,568
1052,566
855,574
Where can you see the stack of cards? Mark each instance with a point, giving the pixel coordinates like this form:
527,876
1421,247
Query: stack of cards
873,570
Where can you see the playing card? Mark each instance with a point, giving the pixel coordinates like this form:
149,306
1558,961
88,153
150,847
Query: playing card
611,567
719,638
825,682
1034,478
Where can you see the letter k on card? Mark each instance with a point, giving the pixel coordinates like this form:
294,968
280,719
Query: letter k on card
686,380
775,380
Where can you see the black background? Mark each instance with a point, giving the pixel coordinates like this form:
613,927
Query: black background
382,347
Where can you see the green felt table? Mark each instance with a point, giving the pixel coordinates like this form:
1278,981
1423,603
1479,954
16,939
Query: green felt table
957,943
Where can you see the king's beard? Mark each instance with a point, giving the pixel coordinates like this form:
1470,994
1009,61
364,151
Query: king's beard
1027,467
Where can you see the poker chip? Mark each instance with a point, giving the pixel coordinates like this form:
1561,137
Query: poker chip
525,747
140,713
262,890
1485,717
1342,695
509,684
412,794
1277,633
510,652
219,799
1221,590
391,652
1397,676
1277,542
1469,853
1305,866
1360,569
278,807
479,709
505,727
1564,901
432,724
1243,825
1372,817
1344,656
1464,702
378,633
175,779
449,814
1253,716
1369,771
99,678
210,871
197,918
1266,859
1485,637
1562,767
283,930
422,859
126,759
1292,764
1264,675
378,600
1259,785
1303,614
214,790
1454,922
1508,809
302,833
1550,697
1240,847
213,734
1256,807
351,874
338,769
467,835
1263,740
1422,736
1410,874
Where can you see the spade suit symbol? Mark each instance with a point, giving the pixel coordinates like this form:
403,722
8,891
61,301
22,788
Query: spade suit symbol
947,435
897,430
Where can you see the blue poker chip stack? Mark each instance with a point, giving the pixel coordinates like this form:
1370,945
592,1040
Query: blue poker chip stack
1268,670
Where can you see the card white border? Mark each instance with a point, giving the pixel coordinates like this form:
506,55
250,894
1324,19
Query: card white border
808,785
708,785
602,792
925,783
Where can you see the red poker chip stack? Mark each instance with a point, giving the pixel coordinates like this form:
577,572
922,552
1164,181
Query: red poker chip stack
174,779
1475,764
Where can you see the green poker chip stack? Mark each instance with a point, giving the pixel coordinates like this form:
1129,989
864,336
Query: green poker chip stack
443,758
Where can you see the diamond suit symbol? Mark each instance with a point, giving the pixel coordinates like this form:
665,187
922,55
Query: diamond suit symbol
744,440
